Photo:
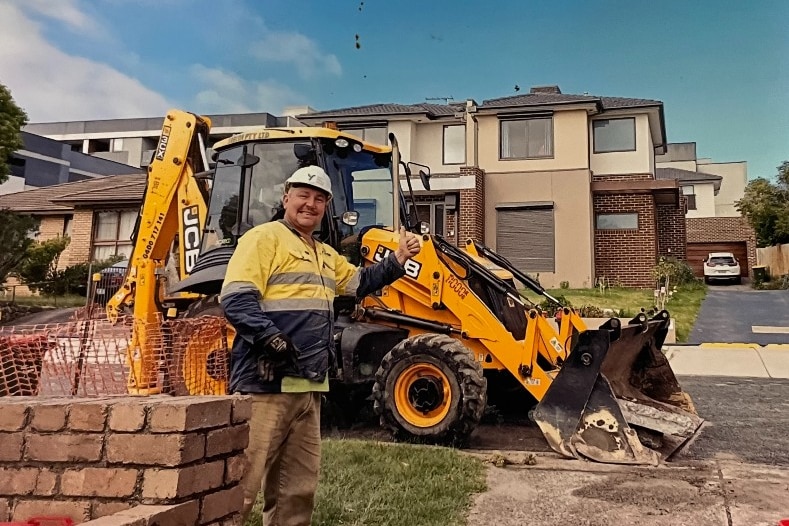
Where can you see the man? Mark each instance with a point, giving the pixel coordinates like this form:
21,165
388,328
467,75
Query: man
278,294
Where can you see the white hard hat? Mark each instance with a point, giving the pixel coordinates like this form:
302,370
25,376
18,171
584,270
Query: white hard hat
313,176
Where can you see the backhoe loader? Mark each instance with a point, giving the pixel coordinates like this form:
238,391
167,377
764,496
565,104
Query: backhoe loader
429,343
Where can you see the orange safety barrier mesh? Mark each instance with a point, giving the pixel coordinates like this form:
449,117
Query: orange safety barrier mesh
89,356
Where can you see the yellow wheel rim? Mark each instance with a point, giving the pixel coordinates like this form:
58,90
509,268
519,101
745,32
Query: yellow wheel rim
207,360
423,395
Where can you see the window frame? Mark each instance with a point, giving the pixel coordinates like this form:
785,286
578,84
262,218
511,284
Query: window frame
526,119
597,221
594,135
434,212
116,242
444,144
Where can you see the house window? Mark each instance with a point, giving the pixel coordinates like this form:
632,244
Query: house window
68,222
112,233
454,144
430,213
689,191
374,135
527,138
614,135
628,221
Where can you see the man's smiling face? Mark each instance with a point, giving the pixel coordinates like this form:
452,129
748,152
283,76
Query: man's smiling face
304,208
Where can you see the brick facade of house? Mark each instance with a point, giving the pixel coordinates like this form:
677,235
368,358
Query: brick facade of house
472,208
81,235
626,257
672,232
78,249
723,229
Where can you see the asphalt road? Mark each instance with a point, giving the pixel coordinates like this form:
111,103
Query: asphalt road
747,419
728,315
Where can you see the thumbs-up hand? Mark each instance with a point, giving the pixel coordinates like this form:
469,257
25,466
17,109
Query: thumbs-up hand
408,248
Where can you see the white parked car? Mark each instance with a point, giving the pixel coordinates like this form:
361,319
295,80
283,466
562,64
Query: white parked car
721,266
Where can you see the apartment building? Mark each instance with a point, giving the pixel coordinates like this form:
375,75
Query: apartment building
44,162
132,141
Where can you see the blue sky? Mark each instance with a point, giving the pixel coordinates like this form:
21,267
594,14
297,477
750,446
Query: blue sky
721,67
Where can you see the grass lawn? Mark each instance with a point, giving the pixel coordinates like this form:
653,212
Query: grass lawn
376,484
683,305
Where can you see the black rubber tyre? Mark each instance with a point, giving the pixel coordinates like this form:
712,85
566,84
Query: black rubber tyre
441,368
198,369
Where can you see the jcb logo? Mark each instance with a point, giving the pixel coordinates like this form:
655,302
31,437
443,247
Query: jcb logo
412,268
191,237
163,140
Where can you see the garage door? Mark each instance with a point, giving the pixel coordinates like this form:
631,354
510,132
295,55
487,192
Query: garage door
698,251
525,237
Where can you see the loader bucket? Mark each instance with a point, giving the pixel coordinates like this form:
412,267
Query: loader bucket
586,414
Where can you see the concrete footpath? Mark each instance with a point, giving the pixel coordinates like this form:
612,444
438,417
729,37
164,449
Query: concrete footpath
560,492
743,360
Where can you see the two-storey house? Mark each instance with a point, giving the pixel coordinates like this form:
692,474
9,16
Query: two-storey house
562,185
711,189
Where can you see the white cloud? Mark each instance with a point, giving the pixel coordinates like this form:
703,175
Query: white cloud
54,86
295,48
65,11
225,92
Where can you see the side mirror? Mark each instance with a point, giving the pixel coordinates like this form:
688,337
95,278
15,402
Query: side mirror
247,160
425,178
423,171
350,218
424,228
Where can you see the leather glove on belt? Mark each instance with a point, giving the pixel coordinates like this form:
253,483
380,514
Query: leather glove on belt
279,351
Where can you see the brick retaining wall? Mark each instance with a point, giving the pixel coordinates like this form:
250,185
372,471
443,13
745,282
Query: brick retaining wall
90,458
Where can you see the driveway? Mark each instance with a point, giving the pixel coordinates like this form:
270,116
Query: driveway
736,314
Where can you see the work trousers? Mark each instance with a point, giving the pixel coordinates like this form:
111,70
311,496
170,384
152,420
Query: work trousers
284,457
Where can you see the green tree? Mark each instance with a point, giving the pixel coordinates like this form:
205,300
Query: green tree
15,238
766,207
12,119
41,262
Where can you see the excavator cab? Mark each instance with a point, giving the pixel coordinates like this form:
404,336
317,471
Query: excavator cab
249,181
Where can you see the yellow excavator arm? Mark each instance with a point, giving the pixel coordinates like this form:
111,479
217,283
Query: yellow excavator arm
174,207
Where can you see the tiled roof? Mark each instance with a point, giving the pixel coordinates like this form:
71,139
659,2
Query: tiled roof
61,198
441,110
688,176
535,99
623,102
542,99
431,110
